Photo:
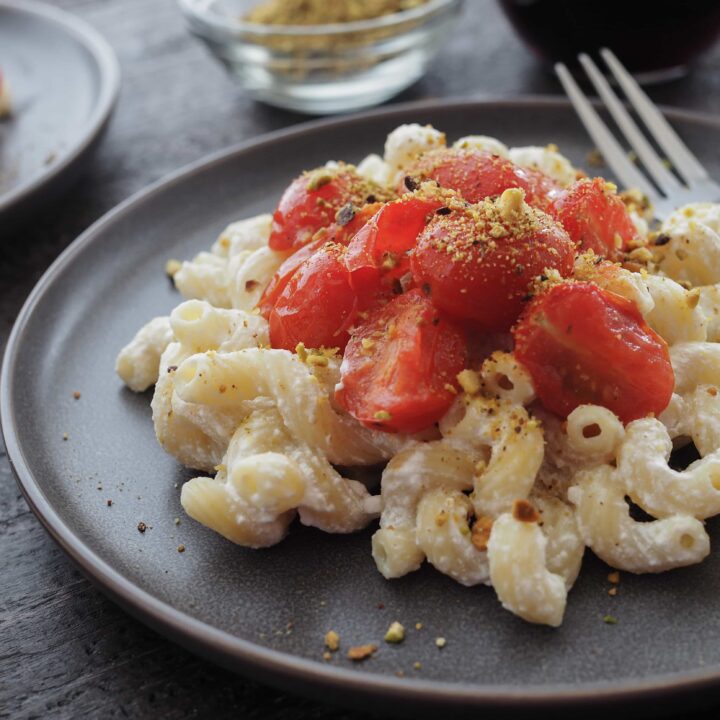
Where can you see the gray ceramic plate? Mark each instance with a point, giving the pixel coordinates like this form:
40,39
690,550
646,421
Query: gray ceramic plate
64,80
265,612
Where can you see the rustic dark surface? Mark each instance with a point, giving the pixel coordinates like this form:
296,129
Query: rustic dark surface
65,650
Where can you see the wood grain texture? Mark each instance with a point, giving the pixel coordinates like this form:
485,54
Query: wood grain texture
66,651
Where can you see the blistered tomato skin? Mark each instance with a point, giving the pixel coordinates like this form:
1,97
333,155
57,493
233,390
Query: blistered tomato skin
313,201
400,366
377,257
335,233
317,305
595,218
284,274
477,175
582,344
479,261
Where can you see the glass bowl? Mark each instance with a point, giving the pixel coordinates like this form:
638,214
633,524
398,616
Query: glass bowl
322,69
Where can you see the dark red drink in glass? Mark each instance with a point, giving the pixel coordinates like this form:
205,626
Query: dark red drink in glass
652,39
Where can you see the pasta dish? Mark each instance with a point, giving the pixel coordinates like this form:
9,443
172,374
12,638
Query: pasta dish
500,336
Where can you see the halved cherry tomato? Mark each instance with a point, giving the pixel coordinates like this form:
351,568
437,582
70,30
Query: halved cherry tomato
479,264
401,364
336,233
582,344
284,274
315,199
477,175
377,254
595,217
317,304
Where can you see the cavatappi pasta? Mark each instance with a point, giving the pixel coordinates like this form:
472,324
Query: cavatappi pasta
500,491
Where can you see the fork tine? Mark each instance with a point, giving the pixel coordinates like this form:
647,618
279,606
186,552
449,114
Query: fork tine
614,155
683,160
666,181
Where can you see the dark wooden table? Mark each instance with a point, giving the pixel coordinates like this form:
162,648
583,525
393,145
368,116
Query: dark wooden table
65,650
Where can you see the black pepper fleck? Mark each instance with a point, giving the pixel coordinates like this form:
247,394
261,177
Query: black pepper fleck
345,214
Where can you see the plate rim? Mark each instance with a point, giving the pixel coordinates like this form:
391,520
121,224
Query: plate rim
273,666
109,68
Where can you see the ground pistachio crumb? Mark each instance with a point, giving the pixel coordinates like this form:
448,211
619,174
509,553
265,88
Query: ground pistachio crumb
511,202
332,640
417,666
320,360
319,178
177,521
395,633
469,381
440,642
321,12
610,620
361,652
418,626
65,436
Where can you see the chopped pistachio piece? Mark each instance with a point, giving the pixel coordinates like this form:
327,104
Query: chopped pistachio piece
395,633
469,381
332,640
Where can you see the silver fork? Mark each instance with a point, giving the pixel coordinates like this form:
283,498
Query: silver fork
667,192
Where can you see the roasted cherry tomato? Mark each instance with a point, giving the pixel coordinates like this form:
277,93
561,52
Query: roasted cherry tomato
582,344
477,175
336,233
401,364
315,200
377,255
284,274
317,304
479,260
595,217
